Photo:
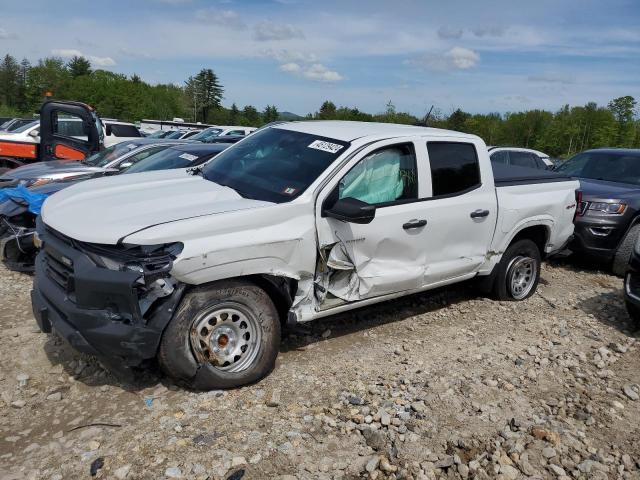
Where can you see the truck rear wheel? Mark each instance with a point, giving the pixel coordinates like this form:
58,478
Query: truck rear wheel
518,272
222,336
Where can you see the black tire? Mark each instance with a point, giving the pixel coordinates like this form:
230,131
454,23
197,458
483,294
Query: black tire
624,250
184,357
634,313
517,253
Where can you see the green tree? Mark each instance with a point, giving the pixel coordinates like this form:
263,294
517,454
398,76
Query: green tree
270,114
79,66
234,114
327,111
623,109
9,81
204,92
250,116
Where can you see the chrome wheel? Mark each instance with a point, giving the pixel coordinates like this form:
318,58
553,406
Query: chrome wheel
521,276
227,336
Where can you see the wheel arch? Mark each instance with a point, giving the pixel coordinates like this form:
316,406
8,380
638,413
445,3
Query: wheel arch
280,289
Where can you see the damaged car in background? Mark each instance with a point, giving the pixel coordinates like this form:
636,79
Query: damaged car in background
20,206
296,222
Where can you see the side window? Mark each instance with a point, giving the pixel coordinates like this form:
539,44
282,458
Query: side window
454,167
523,159
500,157
235,132
118,130
383,176
69,126
145,154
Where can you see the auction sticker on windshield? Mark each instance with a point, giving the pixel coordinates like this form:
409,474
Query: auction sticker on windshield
189,157
326,146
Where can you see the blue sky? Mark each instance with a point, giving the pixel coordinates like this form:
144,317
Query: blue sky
482,56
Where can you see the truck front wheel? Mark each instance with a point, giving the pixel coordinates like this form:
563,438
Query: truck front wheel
518,271
222,336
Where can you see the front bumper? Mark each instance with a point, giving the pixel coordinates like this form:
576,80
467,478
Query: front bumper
95,309
598,236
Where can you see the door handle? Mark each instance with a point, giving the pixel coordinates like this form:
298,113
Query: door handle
479,213
414,224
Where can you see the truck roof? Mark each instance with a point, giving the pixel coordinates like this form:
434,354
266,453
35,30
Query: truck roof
348,131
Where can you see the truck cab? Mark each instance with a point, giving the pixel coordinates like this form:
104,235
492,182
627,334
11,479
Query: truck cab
66,131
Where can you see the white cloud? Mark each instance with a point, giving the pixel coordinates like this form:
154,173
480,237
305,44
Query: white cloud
72,52
449,33
4,35
291,67
223,18
490,31
316,72
267,30
458,58
286,56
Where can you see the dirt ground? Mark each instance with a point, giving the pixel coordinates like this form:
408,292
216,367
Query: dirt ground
444,384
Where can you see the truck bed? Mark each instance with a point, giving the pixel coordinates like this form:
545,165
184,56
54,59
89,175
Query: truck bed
508,175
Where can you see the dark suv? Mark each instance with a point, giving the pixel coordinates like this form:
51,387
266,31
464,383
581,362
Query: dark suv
607,218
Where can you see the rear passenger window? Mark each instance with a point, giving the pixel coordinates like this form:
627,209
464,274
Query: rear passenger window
386,175
523,159
501,157
454,167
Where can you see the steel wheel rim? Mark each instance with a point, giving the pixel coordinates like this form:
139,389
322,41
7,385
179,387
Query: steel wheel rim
521,276
226,336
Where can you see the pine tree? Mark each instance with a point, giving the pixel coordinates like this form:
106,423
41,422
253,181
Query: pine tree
79,66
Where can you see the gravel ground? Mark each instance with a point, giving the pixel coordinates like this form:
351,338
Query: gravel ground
439,385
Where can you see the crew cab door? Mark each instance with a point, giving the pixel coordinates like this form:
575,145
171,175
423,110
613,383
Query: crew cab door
68,131
460,206
435,215
385,255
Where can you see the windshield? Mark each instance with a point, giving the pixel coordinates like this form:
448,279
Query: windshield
174,134
611,167
26,127
205,135
108,155
159,134
274,165
170,158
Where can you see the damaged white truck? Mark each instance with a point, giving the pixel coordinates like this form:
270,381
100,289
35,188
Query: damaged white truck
200,269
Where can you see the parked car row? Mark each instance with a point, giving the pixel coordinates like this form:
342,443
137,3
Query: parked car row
199,267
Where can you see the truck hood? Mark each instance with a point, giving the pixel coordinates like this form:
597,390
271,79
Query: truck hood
52,169
106,210
602,190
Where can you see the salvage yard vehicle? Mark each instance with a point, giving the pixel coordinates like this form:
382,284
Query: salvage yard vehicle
608,216
14,123
19,208
49,139
210,133
110,160
520,157
296,222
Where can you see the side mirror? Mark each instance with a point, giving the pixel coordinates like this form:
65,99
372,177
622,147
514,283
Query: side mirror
351,210
124,165
107,130
34,133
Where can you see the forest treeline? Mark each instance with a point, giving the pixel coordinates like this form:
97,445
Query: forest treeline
24,86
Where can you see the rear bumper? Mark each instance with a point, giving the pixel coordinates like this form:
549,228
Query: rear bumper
95,309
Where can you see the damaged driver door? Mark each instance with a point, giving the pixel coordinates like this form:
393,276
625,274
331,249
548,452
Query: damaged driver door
370,229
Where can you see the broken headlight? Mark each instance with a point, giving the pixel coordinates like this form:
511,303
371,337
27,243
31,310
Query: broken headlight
150,261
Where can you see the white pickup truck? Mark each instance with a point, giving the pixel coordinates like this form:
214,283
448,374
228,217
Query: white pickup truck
296,222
